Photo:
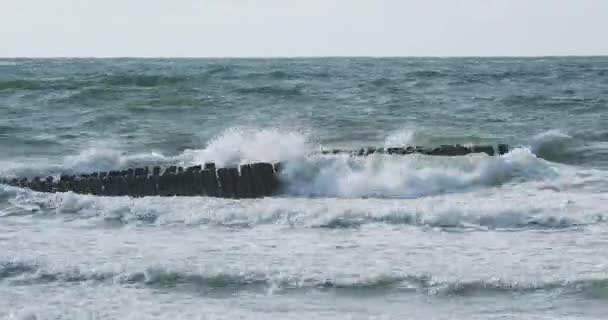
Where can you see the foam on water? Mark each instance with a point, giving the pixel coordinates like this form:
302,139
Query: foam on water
531,205
411,176
403,137
241,145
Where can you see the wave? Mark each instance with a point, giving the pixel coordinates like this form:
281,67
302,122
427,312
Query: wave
45,84
409,177
275,91
89,93
308,173
552,144
9,63
93,86
141,80
20,273
415,136
580,147
425,74
271,75
218,69
516,208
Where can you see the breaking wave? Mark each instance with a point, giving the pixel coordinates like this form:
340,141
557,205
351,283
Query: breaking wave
409,177
20,273
476,211
576,148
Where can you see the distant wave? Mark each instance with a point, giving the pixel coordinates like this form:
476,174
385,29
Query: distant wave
21,273
99,82
218,69
270,75
424,74
141,80
27,84
272,91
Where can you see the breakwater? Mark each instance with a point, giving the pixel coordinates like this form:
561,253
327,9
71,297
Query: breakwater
443,150
253,180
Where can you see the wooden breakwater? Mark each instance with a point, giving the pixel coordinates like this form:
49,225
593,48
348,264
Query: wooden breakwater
252,180
443,150
247,181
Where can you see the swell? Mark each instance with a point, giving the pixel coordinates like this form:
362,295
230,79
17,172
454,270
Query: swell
141,80
270,90
32,84
25,274
105,81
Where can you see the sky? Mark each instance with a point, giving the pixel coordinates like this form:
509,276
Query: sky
298,28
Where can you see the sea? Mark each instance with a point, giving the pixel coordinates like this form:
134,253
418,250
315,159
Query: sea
522,235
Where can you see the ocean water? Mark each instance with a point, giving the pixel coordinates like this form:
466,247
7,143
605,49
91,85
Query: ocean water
518,236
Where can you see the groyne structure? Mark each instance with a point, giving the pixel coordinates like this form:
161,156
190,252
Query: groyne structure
252,180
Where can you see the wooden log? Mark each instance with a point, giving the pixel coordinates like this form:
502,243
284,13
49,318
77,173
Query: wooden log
244,185
180,183
95,184
164,183
196,180
258,187
210,183
264,178
503,149
156,171
34,184
50,184
227,182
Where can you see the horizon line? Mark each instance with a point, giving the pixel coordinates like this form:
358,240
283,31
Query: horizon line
312,57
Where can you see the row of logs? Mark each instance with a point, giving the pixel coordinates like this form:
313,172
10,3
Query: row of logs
444,150
248,181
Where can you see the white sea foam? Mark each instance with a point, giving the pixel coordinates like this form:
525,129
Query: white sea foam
403,137
239,145
409,177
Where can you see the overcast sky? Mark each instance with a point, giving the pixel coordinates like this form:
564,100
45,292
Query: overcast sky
254,28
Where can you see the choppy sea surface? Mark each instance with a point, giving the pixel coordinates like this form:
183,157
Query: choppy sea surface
518,236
